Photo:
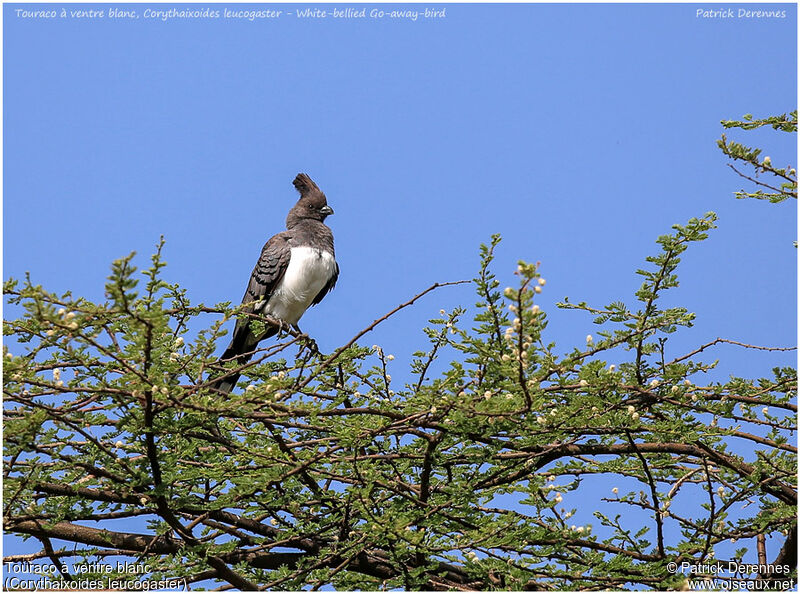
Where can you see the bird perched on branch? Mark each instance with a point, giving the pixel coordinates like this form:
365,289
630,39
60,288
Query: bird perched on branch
296,269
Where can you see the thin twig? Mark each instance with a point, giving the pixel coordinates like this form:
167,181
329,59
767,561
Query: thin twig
371,327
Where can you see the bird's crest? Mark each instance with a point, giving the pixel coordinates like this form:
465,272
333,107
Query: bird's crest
304,184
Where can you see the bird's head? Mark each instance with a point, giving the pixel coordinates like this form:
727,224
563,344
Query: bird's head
312,203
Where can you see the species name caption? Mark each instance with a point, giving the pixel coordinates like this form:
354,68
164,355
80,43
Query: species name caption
83,576
244,14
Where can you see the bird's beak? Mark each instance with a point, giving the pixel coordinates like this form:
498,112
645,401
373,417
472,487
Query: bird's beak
326,210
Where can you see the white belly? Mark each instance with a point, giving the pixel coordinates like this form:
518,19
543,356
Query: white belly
309,270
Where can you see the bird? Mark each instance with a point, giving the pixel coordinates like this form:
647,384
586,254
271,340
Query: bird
297,268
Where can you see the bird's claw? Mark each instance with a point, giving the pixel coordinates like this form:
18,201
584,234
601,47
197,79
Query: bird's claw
311,344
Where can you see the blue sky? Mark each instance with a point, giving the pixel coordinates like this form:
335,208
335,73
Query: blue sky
578,132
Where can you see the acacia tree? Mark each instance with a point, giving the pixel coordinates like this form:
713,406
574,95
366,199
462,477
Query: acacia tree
781,182
323,471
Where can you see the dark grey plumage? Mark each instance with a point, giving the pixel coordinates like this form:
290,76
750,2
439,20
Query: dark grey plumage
296,269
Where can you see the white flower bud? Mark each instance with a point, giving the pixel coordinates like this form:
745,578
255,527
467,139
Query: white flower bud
541,420
442,312
73,326
70,315
118,445
535,309
50,332
635,416
631,409
558,498
250,388
390,357
583,383
274,522
674,389
542,282
767,161
179,341
589,339
433,409
615,490
595,409
765,410
537,289
654,383
388,377
56,374
509,292
61,311
612,368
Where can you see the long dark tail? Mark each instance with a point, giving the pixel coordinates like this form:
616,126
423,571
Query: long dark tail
241,350
227,383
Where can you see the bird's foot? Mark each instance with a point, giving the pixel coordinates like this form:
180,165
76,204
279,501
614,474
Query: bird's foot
281,325
310,343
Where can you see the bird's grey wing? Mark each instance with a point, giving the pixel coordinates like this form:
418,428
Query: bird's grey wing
269,270
328,286
267,273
